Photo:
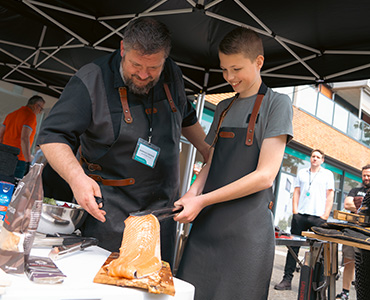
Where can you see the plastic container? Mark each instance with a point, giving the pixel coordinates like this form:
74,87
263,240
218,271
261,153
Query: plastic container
6,192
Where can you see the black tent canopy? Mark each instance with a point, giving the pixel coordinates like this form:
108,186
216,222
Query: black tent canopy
43,43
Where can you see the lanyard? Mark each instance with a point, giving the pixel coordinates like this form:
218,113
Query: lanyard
310,181
150,119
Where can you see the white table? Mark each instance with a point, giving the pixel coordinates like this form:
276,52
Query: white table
81,268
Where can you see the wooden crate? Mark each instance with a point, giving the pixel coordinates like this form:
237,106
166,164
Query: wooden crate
350,217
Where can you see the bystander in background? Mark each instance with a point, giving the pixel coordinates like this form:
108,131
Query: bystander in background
312,203
18,130
352,203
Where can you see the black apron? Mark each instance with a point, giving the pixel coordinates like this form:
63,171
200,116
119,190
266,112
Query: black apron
230,250
144,187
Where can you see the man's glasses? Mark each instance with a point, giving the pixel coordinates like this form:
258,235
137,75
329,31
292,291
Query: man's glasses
41,108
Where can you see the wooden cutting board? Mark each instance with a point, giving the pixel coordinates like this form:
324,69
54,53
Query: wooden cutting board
159,283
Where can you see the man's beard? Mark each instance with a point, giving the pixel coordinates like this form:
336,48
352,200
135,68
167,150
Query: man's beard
366,183
139,90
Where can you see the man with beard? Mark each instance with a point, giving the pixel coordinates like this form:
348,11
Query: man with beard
353,202
127,110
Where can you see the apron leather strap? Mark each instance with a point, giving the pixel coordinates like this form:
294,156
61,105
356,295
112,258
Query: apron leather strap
252,121
96,167
253,118
90,166
169,97
125,107
112,182
222,117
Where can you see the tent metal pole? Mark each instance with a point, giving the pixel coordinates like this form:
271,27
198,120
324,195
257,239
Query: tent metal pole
166,12
184,229
55,72
62,47
359,68
24,82
191,81
289,64
346,52
17,45
54,52
33,78
111,29
288,76
36,58
61,61
115,31
55,22
17,67
65,10
24,62
209,5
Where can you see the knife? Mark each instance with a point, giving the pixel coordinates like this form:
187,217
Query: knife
57,239
59,251
161,213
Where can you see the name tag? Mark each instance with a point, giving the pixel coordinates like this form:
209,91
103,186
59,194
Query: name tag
146,153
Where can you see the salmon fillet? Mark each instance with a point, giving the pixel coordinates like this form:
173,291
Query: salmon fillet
140,252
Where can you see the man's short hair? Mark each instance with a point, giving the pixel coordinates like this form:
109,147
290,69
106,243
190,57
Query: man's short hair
148,36
320,151
366,167
242,40
35,99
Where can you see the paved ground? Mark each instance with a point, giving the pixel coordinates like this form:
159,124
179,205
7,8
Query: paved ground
278,272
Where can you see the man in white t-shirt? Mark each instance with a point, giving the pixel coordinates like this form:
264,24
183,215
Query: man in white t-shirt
312,203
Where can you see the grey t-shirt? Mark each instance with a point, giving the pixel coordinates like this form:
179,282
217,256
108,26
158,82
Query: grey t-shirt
274,119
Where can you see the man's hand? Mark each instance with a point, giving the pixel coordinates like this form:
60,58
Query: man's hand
357,201
63,161
84,190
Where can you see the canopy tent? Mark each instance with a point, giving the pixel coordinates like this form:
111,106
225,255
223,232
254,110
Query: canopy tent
43,43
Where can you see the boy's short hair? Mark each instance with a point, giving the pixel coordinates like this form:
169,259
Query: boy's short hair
242,40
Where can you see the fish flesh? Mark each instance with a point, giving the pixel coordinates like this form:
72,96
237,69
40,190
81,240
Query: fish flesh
140,252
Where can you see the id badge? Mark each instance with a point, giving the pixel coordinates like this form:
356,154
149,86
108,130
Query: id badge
146,153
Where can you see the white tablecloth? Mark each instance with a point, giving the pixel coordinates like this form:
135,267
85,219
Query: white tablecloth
81,268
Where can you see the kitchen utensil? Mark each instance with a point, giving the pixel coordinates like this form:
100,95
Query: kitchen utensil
161,213
60,218
59,251
99,200
58,239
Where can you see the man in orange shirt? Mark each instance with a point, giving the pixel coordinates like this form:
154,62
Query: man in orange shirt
18,130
